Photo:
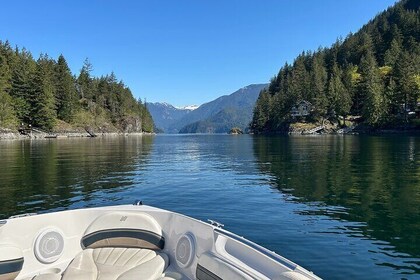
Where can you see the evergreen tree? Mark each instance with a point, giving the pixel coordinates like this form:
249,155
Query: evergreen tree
262,113
392,54
65,95
21,84
391,107
5,75
339,96
43,102
299,85
7,114
406,90
85,80
318,85
371,88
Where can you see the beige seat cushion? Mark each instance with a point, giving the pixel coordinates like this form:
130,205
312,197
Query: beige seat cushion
117,264
47,276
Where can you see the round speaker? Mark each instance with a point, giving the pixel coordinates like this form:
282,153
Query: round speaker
185,250
49,245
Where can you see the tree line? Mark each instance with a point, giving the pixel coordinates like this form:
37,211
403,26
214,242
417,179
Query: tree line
44,93
373,74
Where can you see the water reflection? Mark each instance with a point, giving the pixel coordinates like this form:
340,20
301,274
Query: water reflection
60,174
372,181
343,207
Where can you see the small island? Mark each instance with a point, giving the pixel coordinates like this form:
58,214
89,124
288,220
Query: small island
236,131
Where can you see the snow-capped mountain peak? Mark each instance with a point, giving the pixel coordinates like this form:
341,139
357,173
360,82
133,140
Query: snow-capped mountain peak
190,107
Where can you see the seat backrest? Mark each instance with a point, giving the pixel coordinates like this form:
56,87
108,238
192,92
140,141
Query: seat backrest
121,229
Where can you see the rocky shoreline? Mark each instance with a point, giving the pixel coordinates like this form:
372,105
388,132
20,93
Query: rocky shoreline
329,128
9,134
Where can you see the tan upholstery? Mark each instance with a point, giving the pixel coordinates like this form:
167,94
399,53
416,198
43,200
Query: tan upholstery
117,264
47,276
9,276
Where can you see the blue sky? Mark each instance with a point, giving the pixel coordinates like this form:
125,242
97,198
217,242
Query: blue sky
186,51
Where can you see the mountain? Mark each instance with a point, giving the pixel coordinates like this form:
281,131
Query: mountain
189,107
165,115
372,75
221,114
222,122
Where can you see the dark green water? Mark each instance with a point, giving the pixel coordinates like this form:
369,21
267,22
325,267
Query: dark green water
343,207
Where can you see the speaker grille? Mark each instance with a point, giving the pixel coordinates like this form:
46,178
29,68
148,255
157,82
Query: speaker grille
185,250
49,246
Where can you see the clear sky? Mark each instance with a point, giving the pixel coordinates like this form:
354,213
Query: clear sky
182,51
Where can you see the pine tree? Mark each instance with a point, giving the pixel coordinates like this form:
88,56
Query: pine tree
371,88
85,81
262,113
21,88
5,75
300,79
406,89
391,109
66,97
339,96
7,114
392,54
43,101
318,85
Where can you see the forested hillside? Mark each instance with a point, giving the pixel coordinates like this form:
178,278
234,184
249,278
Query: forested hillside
222,122
372,75
44,93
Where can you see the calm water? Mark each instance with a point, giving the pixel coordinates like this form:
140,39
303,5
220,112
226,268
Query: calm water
343,207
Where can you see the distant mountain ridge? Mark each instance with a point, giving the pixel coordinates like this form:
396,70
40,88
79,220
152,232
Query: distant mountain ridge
223,113
217,116
164,115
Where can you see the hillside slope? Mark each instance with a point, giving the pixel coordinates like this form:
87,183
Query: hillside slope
44,93
234,109
373,75
165,115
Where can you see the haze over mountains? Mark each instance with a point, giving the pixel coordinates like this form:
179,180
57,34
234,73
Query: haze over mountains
217,116
165,115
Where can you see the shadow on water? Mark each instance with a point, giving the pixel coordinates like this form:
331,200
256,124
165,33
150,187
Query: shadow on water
60,174
374,181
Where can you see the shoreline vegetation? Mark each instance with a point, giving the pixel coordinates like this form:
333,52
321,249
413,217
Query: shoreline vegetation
371,77
44,96
12,134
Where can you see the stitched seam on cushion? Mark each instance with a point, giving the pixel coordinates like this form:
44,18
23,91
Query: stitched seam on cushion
94,263
126,262
138,265
139,261
118,258
132,267
106,260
